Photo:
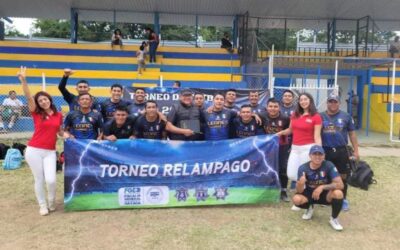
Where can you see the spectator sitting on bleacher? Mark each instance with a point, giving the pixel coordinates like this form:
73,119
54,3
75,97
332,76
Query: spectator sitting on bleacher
116,38
226,44
394,48
10,110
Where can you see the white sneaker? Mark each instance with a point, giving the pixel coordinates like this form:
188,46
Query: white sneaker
295,208
43,210
335,224
52,206
308,214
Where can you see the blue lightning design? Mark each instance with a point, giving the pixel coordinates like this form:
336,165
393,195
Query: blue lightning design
269,169
80,172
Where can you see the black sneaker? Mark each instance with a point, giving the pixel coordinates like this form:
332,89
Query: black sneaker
284,196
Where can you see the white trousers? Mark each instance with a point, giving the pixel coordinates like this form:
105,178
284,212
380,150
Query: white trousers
43,165
298,156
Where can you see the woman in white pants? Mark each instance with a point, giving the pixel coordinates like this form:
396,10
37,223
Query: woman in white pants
305,127
41,151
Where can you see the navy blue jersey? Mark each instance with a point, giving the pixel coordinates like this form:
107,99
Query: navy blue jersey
72,99
275,125
149,130
287,111
257,109
242,130
135,109
234,107
84,126
335,129
218,124
121,132
316,177
108,108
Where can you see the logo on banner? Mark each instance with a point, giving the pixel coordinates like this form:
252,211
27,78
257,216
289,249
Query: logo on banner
201,194
154,195
220,193
182,194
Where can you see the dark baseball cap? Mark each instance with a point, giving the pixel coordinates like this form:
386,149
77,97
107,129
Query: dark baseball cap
333,97
186,92
317,149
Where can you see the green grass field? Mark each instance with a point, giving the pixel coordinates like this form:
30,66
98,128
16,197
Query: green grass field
373,221
235,196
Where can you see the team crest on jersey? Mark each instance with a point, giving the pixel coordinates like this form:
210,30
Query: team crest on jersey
273,124
252,127
280,123
223,116
157,127
218,118
151,129
90,119
339,120
129,127
83,119
322,174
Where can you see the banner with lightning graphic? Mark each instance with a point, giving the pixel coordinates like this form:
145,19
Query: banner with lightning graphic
153,173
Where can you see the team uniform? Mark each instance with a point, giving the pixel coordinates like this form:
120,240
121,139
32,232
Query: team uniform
123,132
257,109
335,130
150,130
234,107
287,111
273,126
135,109
84,126
316,177
72,99
241,129
218,124
108,108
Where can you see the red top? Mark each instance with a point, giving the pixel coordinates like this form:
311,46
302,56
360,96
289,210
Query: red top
45,134
303,128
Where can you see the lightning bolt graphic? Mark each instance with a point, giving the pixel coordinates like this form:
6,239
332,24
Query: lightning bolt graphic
80,172
269,169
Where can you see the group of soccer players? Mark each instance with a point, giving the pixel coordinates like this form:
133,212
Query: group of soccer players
192,119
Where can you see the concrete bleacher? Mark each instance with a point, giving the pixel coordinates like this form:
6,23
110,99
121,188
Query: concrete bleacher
102,66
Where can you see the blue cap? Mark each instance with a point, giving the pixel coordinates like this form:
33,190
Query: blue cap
317,149
333,97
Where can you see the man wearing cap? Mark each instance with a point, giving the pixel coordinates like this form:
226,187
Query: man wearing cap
185,115
318,182
337,127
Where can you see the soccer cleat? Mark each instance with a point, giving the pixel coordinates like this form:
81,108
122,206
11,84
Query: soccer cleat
284,196
335,224
308,214
295,208
43,210
345,206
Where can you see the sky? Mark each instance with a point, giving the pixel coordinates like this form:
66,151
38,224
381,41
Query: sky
22,24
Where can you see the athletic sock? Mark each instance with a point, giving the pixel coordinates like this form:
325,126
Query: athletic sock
336,207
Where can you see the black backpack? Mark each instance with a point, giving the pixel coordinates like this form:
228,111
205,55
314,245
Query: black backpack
21,147
361,175
3,150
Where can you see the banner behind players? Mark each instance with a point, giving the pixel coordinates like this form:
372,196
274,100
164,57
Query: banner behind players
152,173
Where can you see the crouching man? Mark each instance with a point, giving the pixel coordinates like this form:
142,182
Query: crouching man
318,182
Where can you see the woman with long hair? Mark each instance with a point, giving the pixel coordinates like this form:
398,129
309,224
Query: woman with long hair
305,127
41,151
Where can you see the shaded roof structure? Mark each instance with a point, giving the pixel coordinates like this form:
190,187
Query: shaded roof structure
210,12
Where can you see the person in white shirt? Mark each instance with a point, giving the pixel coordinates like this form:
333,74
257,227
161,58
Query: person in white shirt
10,110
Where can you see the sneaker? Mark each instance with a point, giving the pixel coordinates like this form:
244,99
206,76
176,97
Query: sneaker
284,196
295,208
52,206
43,210
345,206
308,214
335,224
